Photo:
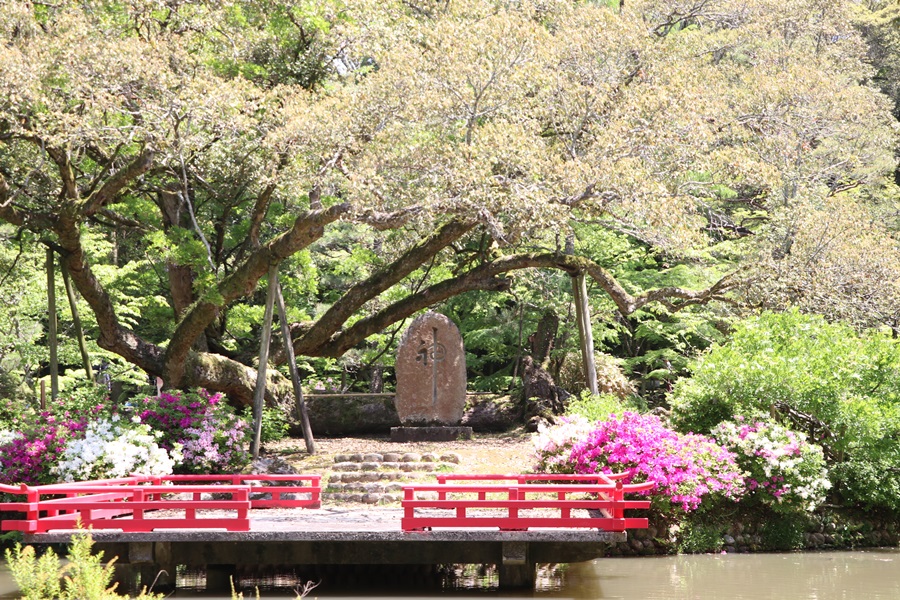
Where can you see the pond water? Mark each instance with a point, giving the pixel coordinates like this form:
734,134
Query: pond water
858,575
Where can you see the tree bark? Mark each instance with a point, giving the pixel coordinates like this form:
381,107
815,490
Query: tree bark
76,322
585,332
299,404
52,341
265,340
487,277
242,281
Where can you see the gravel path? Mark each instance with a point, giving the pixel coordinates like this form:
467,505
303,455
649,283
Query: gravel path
487,453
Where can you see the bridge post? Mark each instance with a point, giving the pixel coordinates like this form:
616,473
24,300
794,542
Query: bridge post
219,578
517,576
516,570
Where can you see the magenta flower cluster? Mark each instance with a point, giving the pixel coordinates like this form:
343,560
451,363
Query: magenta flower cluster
685,468
28,458
172,413
211,437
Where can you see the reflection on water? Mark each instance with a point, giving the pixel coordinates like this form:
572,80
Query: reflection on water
860,575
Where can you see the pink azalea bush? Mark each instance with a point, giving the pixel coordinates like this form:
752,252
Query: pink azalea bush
783,470
205,428
211,448
30,448
686,468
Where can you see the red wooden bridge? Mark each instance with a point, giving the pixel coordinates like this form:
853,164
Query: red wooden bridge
218,521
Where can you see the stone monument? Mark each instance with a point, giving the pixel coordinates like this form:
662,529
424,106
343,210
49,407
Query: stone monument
431,382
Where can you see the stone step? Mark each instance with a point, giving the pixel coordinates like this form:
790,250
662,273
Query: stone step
362,497
396,457
406,467
370,476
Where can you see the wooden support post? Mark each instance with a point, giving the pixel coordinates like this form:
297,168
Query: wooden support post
52,340
259,396
76,321
586,334
292,364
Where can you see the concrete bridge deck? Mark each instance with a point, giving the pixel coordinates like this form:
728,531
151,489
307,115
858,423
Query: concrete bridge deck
342,535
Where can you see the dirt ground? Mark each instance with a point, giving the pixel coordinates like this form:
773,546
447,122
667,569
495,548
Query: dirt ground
502,453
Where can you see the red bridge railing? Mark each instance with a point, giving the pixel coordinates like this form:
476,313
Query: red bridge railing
143,503
523,502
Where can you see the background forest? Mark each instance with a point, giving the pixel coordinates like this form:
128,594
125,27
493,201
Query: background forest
698,162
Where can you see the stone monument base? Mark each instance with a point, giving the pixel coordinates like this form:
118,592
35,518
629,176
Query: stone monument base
432,433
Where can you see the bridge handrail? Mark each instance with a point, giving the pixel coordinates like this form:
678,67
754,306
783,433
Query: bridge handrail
98,503
608,501
526,477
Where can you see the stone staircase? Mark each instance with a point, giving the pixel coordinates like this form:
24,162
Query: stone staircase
374,478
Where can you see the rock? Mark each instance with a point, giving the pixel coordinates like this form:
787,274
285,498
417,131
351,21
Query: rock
411,457
372,458
356,457
345,466
391,457
272,466
729,541
450,457
339,458
492,413
370,466
429,457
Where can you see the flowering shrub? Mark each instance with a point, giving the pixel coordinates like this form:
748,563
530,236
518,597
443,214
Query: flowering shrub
213,448
90,441
554,444
173,413
113,447
782,469
28,455
211,436
685,468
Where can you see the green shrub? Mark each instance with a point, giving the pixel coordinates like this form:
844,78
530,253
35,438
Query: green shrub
782,533
36,577
826,380
84,577
596,407
274,423
699,538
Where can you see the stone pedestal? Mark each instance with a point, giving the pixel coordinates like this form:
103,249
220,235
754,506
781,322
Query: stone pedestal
430,434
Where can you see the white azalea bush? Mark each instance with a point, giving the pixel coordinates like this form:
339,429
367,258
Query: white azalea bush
7,436
553,443
113,447
781,468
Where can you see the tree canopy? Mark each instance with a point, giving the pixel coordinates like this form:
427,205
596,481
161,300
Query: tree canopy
392,155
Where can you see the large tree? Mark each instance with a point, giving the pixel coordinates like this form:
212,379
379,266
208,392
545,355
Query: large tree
438,147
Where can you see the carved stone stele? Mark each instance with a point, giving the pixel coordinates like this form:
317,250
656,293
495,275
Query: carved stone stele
431,372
